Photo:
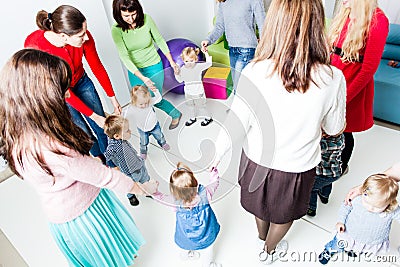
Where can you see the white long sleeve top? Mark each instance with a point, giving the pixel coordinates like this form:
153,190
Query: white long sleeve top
282,130
145,118
192,76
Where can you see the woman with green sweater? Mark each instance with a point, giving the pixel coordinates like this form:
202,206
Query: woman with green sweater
135,34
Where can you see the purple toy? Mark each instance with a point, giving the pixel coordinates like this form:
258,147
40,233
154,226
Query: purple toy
175,47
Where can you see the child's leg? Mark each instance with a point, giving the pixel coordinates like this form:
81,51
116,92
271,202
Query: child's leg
325,187
188,254
158,135
191,104
207,255
200,104
144,141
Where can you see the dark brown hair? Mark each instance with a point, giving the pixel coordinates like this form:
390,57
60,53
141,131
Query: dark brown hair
127,6
33,109
65,19
293,37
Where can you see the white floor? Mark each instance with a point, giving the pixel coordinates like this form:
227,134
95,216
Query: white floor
24,224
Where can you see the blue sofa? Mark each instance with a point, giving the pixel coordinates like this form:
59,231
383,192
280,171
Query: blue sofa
387,80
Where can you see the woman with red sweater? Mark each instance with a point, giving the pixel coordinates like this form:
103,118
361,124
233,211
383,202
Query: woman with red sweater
64,33
357,37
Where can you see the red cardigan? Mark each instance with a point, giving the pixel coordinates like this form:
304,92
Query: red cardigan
360,76
74,55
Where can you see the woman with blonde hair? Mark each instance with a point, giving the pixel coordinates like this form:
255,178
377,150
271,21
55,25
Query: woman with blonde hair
357,38
44,147
292,94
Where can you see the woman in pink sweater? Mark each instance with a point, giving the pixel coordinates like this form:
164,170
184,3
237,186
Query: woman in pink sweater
45,148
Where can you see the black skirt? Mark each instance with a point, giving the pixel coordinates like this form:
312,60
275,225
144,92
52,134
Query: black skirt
271,195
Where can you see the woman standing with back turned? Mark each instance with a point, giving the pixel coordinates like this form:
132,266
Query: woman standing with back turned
290,79
44,147
357,37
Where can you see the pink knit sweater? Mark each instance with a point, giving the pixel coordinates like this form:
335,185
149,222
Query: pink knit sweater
76,183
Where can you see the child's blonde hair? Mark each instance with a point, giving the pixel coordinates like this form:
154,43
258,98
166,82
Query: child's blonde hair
383,186
113,125
358,29
189,52
139,91
183,184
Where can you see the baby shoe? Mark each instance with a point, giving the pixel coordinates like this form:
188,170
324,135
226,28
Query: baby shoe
190,121
311,212
206,121
189,255
166,147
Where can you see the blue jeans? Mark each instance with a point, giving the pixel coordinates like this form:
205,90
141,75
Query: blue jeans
144,138
156,75
323,186
140,176
86,92
335,246
239,57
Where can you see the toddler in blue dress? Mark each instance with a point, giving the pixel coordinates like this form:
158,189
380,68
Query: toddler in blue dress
364,226
196,225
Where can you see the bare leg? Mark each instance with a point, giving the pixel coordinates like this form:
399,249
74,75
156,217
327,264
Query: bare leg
262,227
275,234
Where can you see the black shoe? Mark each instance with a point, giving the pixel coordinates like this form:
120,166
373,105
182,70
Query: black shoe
133,200
324,200
351,253
190,122
311,212
324,257
206,121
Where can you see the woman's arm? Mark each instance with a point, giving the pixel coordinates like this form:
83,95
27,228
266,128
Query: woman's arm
90,52
259,15
373,52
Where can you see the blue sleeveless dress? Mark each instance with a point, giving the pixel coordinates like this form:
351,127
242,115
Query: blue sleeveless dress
196,228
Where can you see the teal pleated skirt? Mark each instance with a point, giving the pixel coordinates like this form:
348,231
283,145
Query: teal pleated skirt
105,235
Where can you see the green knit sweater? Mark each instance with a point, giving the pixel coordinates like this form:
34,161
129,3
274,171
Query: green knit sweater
136,47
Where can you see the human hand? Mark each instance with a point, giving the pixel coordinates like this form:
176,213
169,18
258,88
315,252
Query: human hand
117,106
213,166
99,120
176,68
394,64
355,191
149,83
340,227
204,45
150,187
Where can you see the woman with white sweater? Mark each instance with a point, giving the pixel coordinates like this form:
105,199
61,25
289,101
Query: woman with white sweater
285,98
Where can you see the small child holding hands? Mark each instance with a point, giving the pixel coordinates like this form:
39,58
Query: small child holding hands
190,73
121,152
145,117
328,170
364,226
196,224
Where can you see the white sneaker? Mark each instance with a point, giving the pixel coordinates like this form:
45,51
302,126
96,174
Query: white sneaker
279,252
190,255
